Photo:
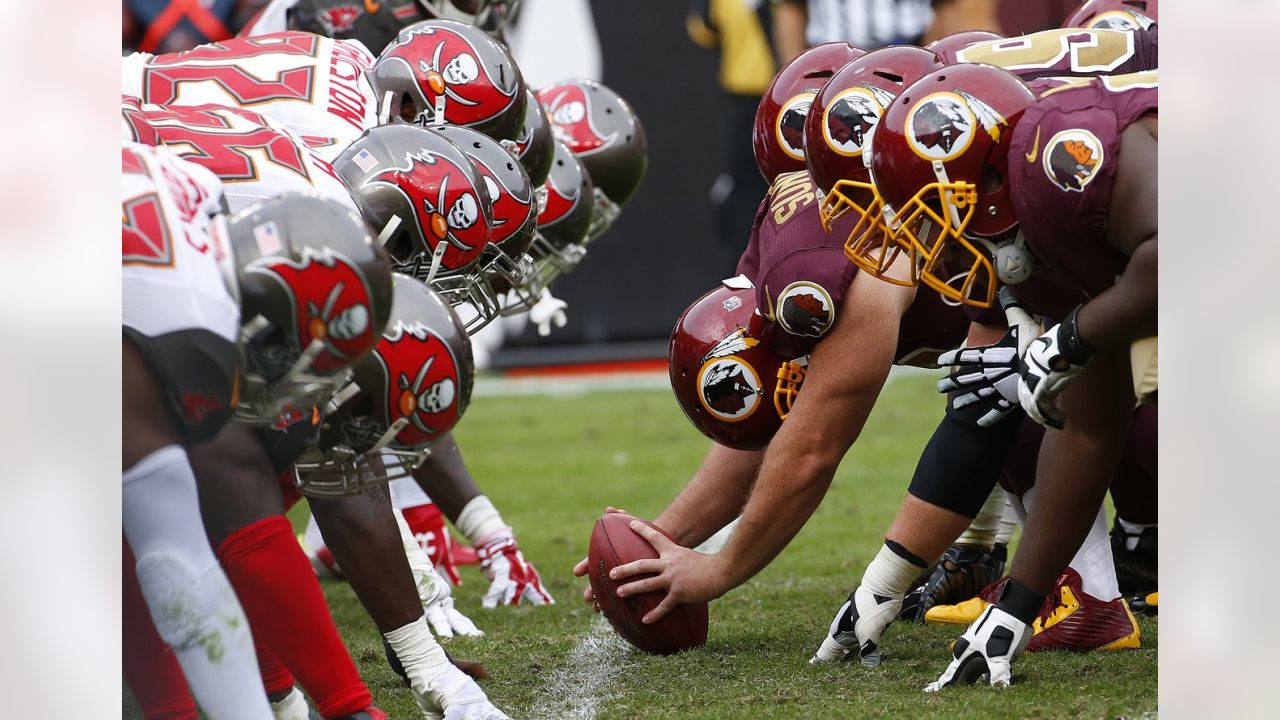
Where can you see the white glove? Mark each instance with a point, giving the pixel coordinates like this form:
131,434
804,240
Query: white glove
434,590
858,626
453,695
511,577
547,311
988,374
1052,362
988,647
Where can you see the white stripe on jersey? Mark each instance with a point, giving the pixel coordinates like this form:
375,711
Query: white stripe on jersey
866,24
177,270
314,85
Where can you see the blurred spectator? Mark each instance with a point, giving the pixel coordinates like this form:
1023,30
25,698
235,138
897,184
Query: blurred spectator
953,16
866,24
740,30
163,26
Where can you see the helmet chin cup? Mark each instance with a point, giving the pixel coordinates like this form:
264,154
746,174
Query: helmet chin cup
1013,262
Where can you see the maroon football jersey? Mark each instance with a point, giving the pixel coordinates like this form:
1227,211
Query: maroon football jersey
801,275
1067,52
1062,162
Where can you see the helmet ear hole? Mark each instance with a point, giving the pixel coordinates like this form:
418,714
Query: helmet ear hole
992,179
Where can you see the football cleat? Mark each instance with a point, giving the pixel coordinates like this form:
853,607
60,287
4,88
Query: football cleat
1136,569
1074,620
961,574
1145,604
855,632
966,612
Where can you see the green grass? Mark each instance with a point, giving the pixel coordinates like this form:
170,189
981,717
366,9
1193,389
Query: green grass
551,465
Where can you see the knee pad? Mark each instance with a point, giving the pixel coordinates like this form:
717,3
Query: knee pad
961,464
189,605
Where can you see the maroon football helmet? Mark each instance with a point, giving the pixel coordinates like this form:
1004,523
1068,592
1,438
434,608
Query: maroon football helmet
939,166
844,113
442,71
722,374
778,136
947,47
603,130
315,293
1115,15
403,396
428,202
505,263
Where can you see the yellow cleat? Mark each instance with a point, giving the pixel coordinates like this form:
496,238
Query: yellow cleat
960,614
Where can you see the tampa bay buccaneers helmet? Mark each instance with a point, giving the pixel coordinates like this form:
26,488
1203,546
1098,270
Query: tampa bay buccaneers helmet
845,112
730,386
603,130
939,166
315,295
427,202
947,47
505,263
442,71
488,15
533,145
1115,15
778,135
404,395
565,208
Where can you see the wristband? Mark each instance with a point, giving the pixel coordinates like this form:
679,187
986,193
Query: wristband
1073,347
1020,601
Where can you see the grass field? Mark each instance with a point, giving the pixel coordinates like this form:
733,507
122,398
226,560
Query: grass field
551,465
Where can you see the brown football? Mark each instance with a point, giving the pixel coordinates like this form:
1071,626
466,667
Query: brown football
614,543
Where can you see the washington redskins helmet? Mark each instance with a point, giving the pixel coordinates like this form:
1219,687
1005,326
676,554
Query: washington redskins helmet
603,130
565,209
505,263
939,166
778,136
845,112
315,293
411,389
442,71
947,47
729,385
426,200
533,146
1115,15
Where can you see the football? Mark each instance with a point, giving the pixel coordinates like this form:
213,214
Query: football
614,543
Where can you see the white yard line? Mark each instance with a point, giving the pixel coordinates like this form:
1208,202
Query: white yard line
575,690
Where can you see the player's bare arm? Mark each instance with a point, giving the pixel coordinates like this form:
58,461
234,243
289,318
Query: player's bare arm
714,497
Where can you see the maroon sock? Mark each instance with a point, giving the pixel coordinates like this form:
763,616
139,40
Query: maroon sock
286,609
150,667
1136,489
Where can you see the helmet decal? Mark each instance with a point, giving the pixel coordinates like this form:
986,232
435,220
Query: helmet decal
331,302
789,126
421,374
446,63
509,211
1120,20
805,308
569,107
940,127
849,117
729,388
339,18
558,202
1072,158
453,214
733,343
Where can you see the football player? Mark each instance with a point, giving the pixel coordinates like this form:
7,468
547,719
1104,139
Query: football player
374,23
990,181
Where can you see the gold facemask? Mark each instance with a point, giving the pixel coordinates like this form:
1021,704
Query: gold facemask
790,376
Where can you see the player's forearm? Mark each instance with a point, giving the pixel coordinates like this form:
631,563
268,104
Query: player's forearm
713,498
1126,311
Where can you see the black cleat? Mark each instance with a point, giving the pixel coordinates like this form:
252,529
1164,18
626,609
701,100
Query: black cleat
962,573
1136,570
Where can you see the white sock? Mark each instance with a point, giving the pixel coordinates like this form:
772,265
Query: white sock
889,574
1133,532
1009,520
292,707
1093,560
479,519
985,527
192,604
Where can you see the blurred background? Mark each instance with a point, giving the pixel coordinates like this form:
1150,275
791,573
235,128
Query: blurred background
694,70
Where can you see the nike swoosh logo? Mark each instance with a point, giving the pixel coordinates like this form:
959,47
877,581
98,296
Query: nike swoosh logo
1035,147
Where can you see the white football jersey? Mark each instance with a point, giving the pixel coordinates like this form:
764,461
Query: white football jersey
311,84
255,157
177,270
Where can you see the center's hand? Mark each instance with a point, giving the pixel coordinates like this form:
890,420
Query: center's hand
686,575
580,570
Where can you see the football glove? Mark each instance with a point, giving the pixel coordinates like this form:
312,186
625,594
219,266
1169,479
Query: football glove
987,375
548,311
987,649
434,590
1052,362
452,695
857,628
511,577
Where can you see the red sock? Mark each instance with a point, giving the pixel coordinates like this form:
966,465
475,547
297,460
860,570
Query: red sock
284,604
276,678
150,667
